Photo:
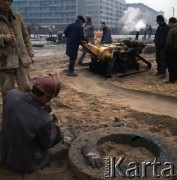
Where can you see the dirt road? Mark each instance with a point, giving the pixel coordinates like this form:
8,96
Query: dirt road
104,90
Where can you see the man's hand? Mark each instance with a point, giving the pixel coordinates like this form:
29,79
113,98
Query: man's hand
9,38
47,108
92,156
66,135
32,59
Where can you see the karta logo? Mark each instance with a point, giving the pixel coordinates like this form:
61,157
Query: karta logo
115,167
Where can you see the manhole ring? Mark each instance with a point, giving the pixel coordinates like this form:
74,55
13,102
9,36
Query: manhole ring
158,147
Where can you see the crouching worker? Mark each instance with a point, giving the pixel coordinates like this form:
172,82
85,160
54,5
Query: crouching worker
28,130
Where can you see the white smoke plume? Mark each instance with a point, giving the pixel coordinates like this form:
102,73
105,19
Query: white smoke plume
131,20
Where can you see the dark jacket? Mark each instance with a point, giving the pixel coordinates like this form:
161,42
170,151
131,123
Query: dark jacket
27,132
74,33
106,38
161,36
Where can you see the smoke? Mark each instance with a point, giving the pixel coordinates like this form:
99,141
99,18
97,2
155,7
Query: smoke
131,20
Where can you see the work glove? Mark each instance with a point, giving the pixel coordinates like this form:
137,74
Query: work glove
92,156
86,40
83,41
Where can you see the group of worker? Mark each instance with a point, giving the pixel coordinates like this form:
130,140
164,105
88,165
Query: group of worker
75,33
147,32
166,48
28,127
165,42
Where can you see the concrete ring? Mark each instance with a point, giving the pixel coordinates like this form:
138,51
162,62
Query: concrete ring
158,147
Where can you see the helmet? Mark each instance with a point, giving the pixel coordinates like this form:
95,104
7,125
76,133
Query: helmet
49,85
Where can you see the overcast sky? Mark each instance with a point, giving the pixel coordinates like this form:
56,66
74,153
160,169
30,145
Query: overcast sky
158,5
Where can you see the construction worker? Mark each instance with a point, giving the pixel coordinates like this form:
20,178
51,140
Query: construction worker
89,33
28,130
74,33
16,52
171,50
145,32
106,38
160,41
50,31
149,32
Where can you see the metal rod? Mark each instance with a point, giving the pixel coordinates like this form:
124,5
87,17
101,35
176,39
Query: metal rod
173,10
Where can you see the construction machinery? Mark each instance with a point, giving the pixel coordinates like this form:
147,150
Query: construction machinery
117,59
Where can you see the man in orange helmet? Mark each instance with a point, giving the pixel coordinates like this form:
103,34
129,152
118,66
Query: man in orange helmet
28,130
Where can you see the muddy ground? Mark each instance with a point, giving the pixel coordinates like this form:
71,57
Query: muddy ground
140,101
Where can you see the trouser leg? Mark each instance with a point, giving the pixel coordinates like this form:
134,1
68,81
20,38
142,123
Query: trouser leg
171,70
163,65
0,142
82,56
91,40
172,66
72,60
160,60
23,78
7,80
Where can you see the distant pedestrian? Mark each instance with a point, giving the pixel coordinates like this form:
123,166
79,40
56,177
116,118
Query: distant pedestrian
89,33
74,33
171,50
149,32
50,31
106,38
145,32
29,30
160,41
35,32
137,35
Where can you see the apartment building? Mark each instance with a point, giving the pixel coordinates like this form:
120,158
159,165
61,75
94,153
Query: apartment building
56,13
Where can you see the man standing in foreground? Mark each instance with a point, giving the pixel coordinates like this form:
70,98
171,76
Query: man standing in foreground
160,41
74,33
171,50
28,130
16,53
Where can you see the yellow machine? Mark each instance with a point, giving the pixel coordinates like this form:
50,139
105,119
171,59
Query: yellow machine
116,59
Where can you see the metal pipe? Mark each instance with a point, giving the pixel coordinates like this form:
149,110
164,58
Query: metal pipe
173,11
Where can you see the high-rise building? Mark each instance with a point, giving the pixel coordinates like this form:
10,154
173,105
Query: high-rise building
104,10
60,13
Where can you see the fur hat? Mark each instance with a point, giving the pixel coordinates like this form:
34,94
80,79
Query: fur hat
79,17
159,18
173,20
103,23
